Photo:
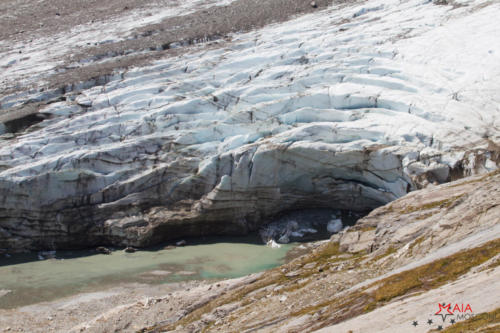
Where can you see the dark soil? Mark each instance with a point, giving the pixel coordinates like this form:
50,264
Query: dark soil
24,20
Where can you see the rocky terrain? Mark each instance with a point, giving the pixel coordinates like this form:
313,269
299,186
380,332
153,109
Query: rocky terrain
349,107
440,244
393,268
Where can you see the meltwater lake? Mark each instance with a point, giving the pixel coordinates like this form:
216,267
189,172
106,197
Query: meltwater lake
24,279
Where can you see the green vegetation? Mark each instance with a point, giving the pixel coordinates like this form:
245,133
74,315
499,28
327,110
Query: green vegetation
326,256
363,229
432,275
479,179
435,204
271,277
425,215
487,322
324,253
417,280
390,250
416,242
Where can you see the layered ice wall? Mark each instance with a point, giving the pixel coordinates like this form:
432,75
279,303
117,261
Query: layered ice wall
347,108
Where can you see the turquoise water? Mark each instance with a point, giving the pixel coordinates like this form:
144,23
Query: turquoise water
31,280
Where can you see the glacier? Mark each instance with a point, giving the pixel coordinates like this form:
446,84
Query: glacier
349,108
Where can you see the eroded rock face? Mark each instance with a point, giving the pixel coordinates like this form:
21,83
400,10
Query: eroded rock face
304,114
430,218
440,226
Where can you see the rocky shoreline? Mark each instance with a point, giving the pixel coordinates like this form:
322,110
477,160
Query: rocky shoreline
432,231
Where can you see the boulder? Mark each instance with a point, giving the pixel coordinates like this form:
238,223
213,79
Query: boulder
129,249
357,241
103,250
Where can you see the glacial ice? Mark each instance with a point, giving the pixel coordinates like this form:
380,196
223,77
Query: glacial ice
334,226
347,108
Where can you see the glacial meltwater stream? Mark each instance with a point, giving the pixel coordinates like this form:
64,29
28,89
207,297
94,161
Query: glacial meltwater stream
26,280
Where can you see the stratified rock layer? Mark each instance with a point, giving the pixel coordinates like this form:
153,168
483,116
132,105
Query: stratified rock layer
343,109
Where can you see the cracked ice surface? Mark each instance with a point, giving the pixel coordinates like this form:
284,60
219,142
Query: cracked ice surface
349,107
46,53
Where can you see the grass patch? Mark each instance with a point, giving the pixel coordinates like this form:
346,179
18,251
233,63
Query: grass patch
435,204
346,307
321,256
390,250
273,276
328,250
483,322
425,215
363,229
432,275
419,279
326,257
480,179
357,302
416,242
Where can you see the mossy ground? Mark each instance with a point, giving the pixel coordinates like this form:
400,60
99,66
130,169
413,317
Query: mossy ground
390,250
406,283
445,203
487,322
434,274
352,304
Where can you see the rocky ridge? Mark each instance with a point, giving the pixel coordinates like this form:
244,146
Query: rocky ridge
405,253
